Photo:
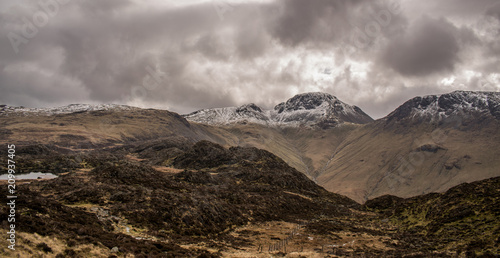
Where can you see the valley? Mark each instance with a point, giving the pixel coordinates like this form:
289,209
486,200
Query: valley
397,154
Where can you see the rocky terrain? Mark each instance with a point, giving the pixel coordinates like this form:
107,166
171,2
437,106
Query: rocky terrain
170,198
465,218
118,199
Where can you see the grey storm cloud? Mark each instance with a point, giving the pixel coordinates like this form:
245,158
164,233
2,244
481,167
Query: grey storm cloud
494,10
431,46
187,55
330,21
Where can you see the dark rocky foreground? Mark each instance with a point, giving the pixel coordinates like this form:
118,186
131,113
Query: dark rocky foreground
173,198
466,218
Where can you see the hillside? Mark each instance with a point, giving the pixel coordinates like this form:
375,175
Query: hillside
170,198
465,218
116,199
91,126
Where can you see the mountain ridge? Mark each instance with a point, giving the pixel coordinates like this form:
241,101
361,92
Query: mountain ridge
314,109
316,105
442,106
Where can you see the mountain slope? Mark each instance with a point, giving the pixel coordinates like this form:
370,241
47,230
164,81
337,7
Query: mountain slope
95,126
428,144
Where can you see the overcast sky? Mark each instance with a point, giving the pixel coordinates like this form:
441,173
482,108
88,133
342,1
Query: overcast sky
186,55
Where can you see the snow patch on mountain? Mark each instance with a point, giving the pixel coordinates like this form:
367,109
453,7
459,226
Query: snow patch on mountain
73,108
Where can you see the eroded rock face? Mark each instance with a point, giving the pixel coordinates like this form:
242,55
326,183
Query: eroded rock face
249,108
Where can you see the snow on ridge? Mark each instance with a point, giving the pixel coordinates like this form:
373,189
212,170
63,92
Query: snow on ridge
443,106
72,108
308,109
229,115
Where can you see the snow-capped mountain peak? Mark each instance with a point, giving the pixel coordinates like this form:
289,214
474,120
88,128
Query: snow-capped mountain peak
318,108
444,106
308,109
306,101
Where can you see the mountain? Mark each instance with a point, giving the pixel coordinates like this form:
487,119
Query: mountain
309,109
249,113
456,105
318,109
82,126
428,144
